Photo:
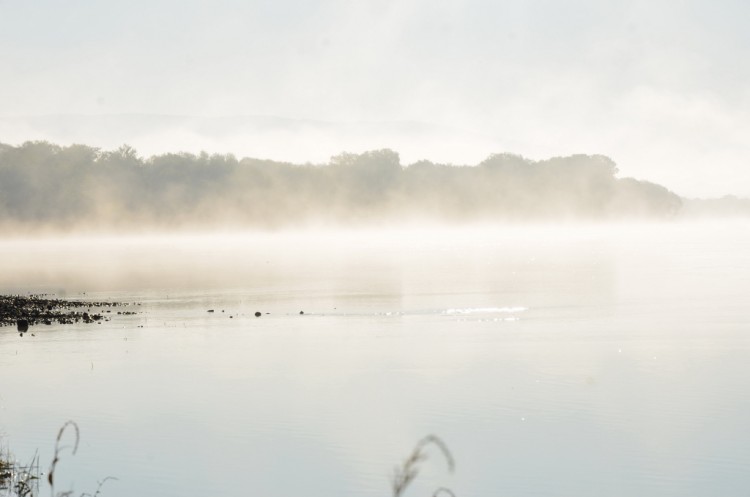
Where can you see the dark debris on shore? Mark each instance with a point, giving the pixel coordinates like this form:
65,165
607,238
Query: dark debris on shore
32,310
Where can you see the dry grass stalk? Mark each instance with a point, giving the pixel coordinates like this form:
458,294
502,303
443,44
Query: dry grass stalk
409,469
56,458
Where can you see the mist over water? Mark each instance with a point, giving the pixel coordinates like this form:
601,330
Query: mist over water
553,360
565,329
199,260
311,233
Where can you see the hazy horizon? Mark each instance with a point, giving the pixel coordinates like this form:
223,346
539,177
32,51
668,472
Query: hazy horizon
658,86
294,140
47,186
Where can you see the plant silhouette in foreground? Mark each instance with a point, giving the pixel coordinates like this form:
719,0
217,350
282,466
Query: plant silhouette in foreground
58,450
409,469
23,481
6,470
16,479
56,460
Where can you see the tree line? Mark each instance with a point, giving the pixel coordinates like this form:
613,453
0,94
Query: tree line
43,184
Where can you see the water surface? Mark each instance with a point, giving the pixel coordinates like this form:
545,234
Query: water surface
553,361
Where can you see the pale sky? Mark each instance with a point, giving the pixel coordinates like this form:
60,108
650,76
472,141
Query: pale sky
662,87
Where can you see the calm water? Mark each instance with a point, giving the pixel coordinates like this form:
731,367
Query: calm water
553,361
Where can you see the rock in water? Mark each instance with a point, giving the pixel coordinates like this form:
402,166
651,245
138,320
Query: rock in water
257,314
23,325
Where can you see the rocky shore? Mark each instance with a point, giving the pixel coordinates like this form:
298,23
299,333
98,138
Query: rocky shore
26,311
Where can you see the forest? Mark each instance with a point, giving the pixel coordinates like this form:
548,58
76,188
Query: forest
43,185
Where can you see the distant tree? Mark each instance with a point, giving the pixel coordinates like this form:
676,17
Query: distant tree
46,184
634,198
367,179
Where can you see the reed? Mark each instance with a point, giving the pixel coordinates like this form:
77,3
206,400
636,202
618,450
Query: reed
17,480
407,472
5,469
23,481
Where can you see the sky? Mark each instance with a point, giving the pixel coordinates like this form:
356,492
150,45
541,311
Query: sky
659,86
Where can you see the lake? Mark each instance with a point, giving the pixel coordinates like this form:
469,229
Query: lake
552,360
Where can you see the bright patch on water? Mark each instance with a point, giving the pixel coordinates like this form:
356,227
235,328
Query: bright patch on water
485,310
